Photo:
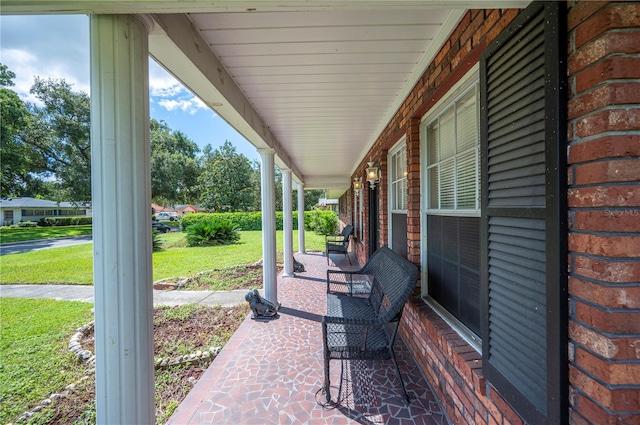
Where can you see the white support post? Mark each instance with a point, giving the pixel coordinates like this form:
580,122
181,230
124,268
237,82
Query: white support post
301,247
121,200
268,192
287,221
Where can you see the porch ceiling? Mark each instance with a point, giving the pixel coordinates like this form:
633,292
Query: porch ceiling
316,81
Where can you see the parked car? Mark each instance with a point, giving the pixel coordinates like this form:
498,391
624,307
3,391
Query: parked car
167,216
160,227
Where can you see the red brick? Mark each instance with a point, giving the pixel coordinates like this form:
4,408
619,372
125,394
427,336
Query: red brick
606,296
508,15
582,11
620,119
604,196
608,321
605,96
594,414
509,416
605,147
611,372
616,399
608,271
615,170
605,246
618,348
613,17
577,419
614,68
607,220
608,44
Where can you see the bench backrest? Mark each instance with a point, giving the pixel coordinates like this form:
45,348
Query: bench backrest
346,232
393,280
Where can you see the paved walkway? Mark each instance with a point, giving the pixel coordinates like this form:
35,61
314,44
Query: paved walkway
85,293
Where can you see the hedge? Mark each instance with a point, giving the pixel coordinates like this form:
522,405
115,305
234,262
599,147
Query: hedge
320,221
64,221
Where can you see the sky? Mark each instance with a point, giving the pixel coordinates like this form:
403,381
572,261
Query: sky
57,46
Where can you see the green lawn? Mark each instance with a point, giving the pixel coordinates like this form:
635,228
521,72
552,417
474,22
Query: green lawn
33,355
73,265
21,234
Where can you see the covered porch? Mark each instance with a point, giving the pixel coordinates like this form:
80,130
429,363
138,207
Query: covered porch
272,372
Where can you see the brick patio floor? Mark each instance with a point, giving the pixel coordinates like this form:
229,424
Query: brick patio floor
271,372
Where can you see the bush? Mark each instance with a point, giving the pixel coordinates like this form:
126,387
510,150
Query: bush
156,242
322,222
65,221
28,223
211,231
319,221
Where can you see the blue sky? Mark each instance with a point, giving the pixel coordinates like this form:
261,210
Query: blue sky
57,46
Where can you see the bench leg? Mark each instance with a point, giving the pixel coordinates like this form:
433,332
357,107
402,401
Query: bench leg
327,382
404,391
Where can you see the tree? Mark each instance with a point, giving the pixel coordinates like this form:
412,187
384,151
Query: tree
174,166
226,181
19,161
60,135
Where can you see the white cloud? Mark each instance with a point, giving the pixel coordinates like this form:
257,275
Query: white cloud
190,106
169,93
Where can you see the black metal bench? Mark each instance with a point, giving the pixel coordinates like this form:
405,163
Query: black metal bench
339,243
364,308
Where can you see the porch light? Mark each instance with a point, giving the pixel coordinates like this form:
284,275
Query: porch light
373,174
357,185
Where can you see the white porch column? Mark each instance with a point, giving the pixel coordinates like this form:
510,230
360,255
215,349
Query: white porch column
287,221
301,248
268,192
121,196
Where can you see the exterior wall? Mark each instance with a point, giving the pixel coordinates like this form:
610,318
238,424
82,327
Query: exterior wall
452,366
604,212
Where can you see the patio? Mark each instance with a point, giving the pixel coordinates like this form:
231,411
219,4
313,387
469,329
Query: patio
271,372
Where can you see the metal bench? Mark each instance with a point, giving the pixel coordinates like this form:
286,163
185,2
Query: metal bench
339,243
364,308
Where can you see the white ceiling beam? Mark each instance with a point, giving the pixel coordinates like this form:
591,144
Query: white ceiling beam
10,7
180,49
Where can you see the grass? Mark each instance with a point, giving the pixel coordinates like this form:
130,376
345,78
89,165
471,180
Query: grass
21,234
34,360
74,265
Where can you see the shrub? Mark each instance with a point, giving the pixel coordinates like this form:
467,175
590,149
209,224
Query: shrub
156,242
322,222
64,221
28,223
211,231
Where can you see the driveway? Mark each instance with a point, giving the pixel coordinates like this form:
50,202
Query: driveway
17,247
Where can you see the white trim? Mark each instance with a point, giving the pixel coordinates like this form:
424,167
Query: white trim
465,333
400,144
456,92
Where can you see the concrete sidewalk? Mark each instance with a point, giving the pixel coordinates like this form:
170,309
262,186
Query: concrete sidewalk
85,293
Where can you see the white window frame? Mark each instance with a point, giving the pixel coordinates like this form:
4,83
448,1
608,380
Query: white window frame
399,147
471,79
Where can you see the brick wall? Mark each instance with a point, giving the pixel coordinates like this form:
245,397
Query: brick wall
452,366
604,212
604,219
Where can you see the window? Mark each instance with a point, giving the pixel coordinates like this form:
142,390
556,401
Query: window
451,208
398,179
397,160
452,156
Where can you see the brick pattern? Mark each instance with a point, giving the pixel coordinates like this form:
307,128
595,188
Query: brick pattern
604,212
604,218
452,366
